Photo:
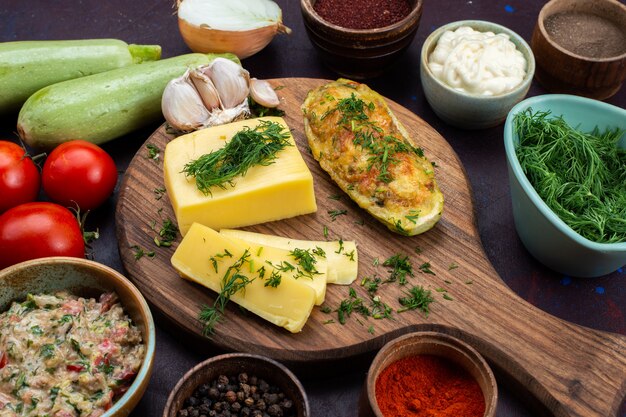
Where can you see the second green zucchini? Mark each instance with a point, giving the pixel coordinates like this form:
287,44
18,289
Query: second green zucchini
103,106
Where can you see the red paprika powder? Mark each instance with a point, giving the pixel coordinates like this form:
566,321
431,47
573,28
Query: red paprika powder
362,14
428,386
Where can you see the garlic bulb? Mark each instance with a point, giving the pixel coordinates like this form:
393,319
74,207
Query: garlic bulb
262,92
213,94
242,27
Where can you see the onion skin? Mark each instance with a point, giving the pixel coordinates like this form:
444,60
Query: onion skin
242,43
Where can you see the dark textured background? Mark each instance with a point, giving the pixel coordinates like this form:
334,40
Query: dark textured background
598,303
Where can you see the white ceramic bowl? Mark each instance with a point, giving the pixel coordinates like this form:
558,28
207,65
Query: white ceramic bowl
466,110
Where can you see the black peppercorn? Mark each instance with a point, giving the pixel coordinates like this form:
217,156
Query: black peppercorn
240,395
275,410
231,397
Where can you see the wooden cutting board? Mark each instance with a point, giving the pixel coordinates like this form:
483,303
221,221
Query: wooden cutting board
572,370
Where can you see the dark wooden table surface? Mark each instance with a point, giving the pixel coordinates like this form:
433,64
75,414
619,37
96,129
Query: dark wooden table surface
598,303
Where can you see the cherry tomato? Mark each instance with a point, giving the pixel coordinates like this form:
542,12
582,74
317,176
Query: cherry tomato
19,177
79,172
36,230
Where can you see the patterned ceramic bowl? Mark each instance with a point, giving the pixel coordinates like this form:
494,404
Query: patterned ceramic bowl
86,278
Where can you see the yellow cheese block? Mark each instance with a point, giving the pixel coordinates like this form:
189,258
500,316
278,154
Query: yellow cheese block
277,191
342,258
280,257
201,257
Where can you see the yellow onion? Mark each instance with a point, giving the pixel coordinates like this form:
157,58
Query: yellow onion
242,27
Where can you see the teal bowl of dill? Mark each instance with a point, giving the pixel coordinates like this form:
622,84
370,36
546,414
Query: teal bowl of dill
566,159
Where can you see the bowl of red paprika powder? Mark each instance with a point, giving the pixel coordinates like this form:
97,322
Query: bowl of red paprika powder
360,39
429,373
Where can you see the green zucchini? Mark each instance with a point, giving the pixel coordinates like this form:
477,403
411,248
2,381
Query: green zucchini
28,66
103,106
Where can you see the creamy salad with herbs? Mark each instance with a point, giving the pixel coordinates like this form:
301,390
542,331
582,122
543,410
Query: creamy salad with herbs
66,356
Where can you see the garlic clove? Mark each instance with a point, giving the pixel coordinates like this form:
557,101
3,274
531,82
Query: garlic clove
206,89
182,106
230,80
262,92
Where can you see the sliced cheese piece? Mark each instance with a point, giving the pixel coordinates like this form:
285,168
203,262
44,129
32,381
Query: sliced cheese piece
200,257
342,258
280,257
276,191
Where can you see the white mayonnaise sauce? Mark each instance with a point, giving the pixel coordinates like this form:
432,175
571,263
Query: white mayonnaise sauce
477,63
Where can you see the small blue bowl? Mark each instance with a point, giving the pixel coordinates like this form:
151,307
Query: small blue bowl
544,234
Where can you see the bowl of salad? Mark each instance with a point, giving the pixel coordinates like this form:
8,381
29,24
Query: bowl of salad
76,338
566,159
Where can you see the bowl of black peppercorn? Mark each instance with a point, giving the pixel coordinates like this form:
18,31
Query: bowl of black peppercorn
238,385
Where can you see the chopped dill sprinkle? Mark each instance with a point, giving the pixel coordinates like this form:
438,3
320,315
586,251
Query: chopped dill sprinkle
335,213
425,268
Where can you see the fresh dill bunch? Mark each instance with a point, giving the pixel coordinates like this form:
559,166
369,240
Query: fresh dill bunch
247,148
581,176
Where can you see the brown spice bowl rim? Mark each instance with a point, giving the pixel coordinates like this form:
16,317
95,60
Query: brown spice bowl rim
169,411
423,337
416,11
542,29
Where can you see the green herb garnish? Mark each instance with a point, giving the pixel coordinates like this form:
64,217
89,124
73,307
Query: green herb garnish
159,192
273,280
47,350
167,234
417,298
232,282
139,253
335,213
579,175
425,268
401,267
153,151
247,148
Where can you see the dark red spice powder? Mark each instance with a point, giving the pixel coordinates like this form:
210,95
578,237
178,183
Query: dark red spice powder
362,14
428,386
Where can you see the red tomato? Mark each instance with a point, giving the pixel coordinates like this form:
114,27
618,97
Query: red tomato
19,177
79,172
37,230
3,359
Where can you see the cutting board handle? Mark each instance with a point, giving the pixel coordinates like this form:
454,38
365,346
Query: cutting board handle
572,370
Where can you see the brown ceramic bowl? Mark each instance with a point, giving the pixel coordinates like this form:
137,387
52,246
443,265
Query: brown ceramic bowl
232,364
429,343
562,71
85,278
360,53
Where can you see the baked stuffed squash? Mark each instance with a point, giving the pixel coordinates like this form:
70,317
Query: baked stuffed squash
357,139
